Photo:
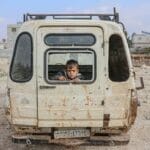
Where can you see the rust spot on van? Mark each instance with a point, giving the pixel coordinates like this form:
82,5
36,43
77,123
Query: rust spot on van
50,107
106,120
89,115
126,114
85,89
64,101
133,108
133,114
88,101
73,118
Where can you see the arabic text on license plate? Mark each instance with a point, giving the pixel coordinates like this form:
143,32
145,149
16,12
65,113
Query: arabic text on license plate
71,133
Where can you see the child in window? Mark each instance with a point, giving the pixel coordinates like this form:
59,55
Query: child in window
71,72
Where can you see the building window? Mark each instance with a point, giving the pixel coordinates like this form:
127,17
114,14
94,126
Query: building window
13,29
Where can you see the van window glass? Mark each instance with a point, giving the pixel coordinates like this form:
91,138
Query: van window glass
118,65
21,67
70,39
56,65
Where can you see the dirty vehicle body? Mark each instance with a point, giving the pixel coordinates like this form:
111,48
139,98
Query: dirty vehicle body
52,111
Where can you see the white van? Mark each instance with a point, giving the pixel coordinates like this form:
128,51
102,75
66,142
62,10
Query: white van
44,109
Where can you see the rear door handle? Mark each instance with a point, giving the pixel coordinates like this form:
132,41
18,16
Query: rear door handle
47,87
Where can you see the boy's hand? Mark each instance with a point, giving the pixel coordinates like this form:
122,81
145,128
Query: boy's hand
62,78
76,80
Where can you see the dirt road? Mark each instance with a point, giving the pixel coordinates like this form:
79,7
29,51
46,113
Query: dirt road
140,132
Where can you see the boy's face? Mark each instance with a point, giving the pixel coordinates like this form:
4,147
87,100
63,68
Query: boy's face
72,72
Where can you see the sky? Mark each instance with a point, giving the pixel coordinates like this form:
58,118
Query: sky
134,14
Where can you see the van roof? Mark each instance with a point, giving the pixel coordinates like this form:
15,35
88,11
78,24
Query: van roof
42,23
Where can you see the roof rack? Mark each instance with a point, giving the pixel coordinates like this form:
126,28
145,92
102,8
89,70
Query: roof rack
110,17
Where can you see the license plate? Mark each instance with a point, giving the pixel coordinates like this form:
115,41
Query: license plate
71,133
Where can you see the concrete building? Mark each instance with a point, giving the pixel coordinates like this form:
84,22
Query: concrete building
12,31
3,44
140,41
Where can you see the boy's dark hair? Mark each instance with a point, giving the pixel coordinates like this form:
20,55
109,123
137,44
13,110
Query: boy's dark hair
71,63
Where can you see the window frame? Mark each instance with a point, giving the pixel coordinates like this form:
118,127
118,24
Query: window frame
71,50
70,34
14,54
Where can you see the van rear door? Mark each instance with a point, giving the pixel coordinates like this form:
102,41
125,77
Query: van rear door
66,103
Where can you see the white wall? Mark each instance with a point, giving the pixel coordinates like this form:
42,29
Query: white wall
140,41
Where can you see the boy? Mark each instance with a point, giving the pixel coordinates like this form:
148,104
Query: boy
71,72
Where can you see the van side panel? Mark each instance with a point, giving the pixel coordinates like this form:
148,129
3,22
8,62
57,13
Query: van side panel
23,104
21,88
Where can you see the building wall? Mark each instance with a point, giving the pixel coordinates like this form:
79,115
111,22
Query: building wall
3,44
12,31
140,40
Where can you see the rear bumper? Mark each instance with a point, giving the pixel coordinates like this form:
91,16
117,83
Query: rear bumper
122,139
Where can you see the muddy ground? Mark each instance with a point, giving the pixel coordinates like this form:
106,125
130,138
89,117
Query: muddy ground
139,134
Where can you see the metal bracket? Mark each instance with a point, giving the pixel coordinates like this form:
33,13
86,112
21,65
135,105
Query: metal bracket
142,84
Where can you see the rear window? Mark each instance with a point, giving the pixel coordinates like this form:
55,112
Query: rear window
82,60
21,66
118,64
69,39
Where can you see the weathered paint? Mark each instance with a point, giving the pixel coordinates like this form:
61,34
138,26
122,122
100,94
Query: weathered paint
76,104
133,107
103,106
